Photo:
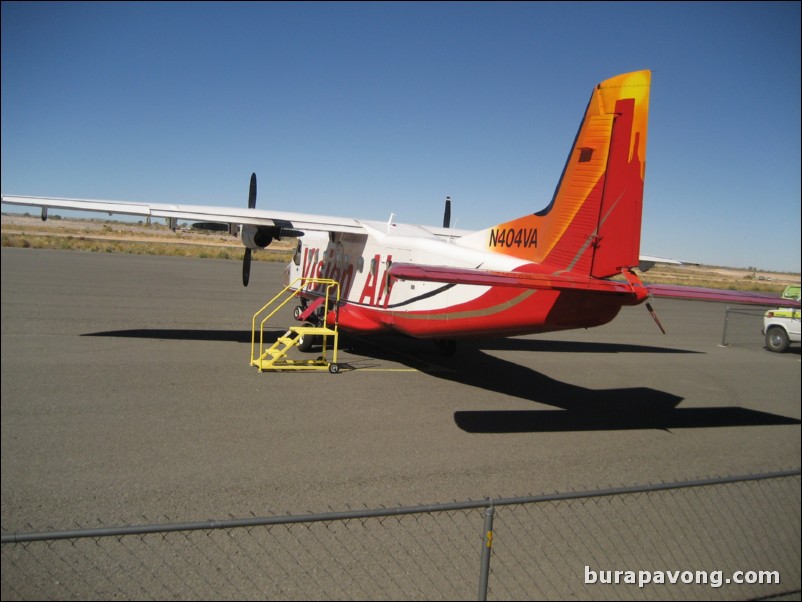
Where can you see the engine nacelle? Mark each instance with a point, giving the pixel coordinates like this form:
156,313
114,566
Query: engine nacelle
258,237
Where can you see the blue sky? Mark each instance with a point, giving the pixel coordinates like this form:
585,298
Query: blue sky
368,109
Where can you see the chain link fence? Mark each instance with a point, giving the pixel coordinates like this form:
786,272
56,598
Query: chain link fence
718,539
743,327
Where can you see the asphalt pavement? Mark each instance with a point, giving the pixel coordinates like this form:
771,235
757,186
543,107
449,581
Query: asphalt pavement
127,397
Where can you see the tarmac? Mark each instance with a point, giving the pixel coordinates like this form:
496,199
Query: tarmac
127,398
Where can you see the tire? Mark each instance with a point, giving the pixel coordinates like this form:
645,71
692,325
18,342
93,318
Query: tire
777,339
334,368
306,342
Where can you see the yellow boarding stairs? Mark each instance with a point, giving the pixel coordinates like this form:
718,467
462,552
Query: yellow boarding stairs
275,356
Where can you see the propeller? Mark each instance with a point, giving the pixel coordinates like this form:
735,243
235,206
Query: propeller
447,213
246,261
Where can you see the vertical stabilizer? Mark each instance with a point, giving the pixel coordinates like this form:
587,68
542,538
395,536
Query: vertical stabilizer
592,225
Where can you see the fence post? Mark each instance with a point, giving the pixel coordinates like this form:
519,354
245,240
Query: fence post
487,545
726,319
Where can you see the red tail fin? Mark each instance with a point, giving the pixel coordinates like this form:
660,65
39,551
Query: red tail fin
592,225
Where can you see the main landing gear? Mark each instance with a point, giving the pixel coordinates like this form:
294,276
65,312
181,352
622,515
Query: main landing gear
312,315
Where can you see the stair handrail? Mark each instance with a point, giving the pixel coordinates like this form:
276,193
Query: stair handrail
296,291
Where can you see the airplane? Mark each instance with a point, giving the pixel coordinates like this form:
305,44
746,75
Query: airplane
570,265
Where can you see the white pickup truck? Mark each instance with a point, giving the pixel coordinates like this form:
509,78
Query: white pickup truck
782,326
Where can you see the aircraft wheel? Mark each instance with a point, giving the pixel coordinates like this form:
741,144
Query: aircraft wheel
306,342
777,340
297,312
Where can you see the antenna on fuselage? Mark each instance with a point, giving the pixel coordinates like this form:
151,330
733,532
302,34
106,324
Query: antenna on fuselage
447,213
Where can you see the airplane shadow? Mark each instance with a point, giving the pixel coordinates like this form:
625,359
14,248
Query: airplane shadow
385,343
579,408
184,334
545,346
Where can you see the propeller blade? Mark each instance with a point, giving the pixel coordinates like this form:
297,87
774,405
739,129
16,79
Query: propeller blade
246,267
246,260
252,192
447,214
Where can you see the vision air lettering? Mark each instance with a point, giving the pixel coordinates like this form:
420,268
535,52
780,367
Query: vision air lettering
328,268
312,266
375,293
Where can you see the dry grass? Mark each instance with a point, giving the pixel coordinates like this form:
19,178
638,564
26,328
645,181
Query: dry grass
79,243
721,278
132,238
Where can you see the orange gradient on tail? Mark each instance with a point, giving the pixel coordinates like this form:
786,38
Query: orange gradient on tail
599,197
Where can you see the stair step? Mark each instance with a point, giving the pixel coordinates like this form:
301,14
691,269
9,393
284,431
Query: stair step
313,330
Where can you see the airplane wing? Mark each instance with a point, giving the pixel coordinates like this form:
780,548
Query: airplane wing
196,213
285,220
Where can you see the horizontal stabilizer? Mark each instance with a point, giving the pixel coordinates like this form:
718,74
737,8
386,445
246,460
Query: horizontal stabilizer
561,282
697,293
